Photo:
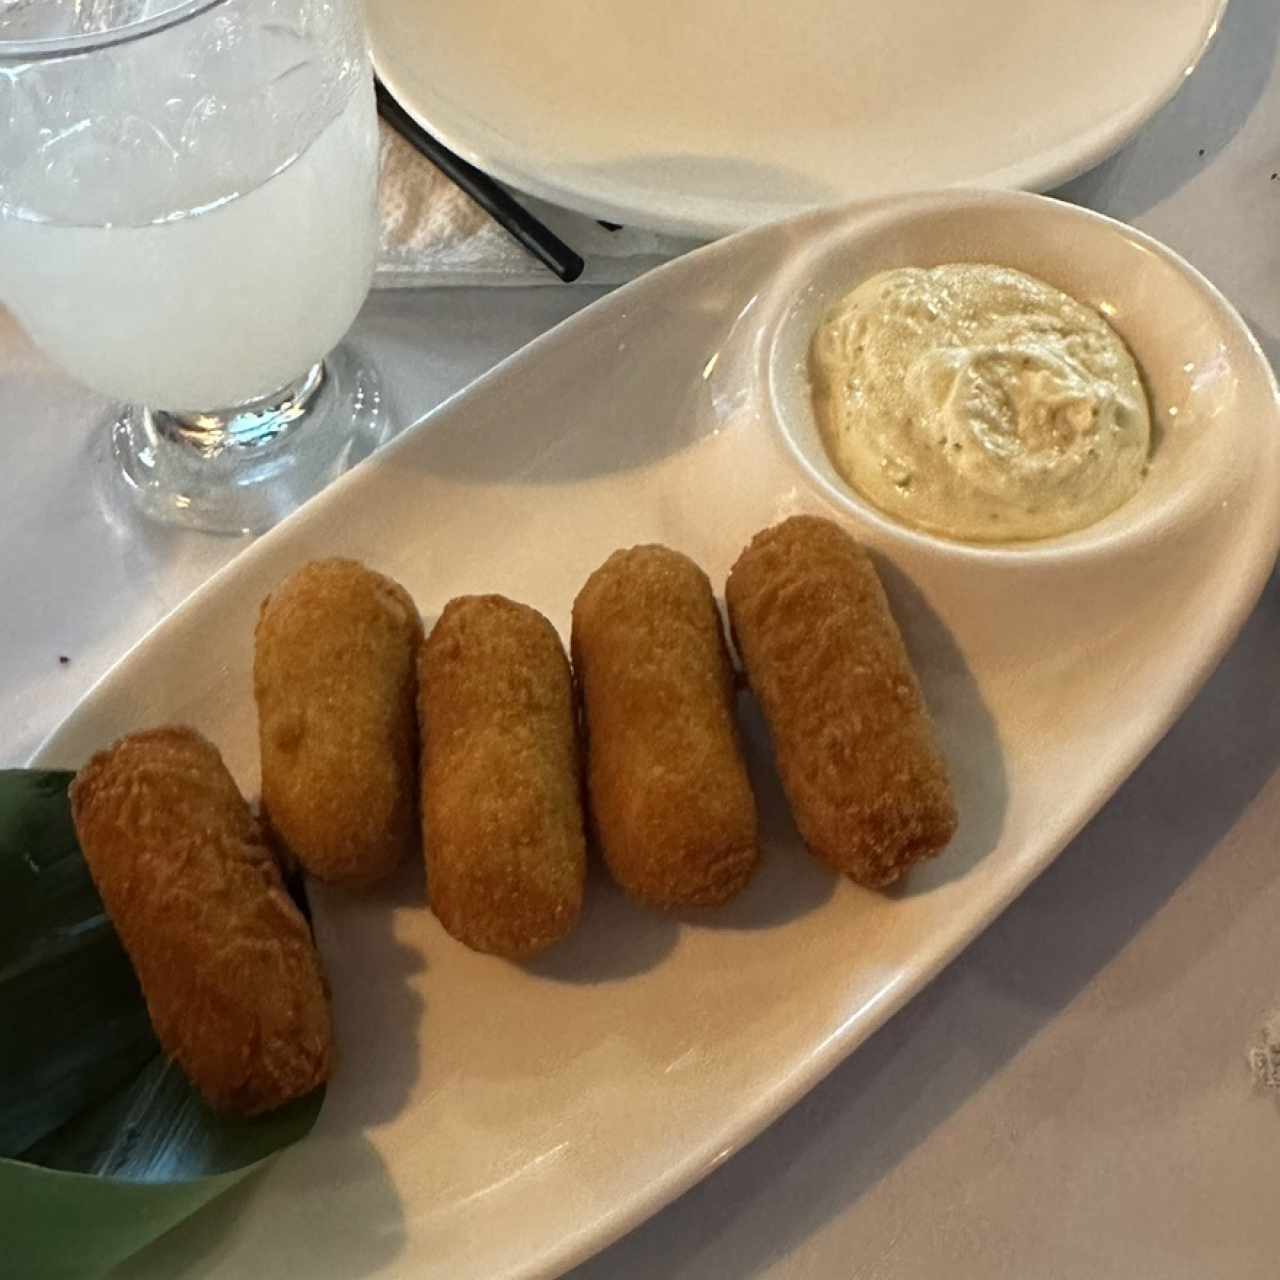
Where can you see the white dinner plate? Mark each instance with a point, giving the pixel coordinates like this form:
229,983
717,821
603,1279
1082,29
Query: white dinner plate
490,1120
703,118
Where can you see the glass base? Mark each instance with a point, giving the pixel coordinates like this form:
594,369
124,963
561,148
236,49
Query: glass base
243,469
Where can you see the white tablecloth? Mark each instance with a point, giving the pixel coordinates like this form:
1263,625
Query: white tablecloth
1073,1096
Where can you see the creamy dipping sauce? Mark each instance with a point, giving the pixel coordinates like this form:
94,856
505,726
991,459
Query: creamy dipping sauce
979,403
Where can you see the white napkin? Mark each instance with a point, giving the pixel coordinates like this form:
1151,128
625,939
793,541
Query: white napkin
433,234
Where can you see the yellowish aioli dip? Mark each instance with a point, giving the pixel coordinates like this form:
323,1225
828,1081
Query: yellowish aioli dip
979,403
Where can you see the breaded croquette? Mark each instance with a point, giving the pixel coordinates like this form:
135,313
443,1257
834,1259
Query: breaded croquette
231,977
501,778
855,748
335,679
668,789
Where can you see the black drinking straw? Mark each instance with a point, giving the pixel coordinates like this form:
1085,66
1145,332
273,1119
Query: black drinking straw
512,217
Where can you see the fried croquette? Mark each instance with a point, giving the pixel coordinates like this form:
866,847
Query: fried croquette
667,786
855,748
501,778
335,680
231,977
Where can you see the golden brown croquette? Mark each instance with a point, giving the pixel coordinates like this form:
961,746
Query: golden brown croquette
501,778
335,680
668,790
854,745
231,977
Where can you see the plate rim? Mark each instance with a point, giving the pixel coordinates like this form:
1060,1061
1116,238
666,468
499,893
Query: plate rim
1039,173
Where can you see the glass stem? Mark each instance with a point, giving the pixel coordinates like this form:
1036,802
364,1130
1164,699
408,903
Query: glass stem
244,427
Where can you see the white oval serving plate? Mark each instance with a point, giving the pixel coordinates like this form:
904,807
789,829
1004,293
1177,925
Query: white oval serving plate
495,1121
705,118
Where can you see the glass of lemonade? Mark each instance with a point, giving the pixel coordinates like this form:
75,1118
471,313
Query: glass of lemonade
188,222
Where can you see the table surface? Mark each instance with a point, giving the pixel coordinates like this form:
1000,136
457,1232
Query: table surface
1072,1097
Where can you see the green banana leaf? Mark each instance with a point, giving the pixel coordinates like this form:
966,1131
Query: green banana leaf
104,1146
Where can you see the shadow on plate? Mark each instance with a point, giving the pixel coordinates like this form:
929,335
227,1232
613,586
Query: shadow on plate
378,1016
1186,136
615,938
851,1132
